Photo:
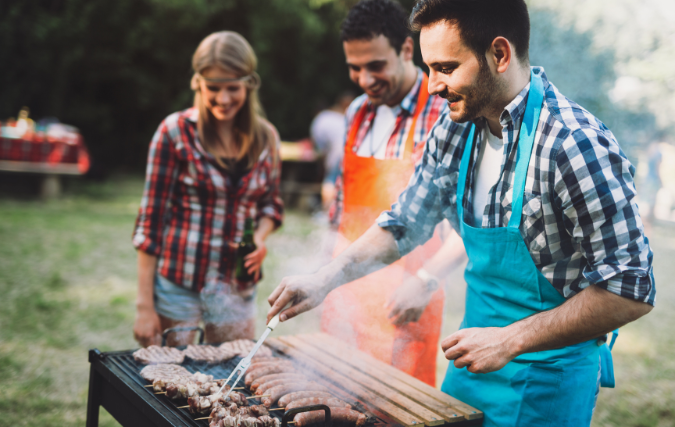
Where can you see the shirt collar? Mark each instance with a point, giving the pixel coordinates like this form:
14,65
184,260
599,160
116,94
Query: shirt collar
409,102
515,109
192,114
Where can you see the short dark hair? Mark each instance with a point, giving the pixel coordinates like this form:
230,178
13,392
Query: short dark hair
370,18
479,22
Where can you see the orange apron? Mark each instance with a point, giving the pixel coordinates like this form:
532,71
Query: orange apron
356,312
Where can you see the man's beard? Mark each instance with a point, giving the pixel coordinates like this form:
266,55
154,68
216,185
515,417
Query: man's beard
480,95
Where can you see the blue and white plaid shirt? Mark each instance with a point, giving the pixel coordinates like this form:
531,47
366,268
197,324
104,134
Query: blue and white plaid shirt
580,218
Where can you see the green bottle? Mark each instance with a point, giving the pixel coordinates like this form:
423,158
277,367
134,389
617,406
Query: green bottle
246,246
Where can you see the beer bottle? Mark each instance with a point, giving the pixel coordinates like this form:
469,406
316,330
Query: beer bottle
246,246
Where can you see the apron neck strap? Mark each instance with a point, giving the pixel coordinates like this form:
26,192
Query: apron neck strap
463,171
524,150
422,98
526,137
354,129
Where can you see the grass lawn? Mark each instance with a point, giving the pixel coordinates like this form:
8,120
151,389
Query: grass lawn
67,276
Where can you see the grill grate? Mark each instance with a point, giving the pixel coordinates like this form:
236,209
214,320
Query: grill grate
125,361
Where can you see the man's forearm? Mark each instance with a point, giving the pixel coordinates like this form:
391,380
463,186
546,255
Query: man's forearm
375,249
590,314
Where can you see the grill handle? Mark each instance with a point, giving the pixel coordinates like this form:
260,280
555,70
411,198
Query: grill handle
288,415
183,329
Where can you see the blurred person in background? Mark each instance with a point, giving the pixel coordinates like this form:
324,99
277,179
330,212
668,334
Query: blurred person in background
652,182
328,134
396,313
210,167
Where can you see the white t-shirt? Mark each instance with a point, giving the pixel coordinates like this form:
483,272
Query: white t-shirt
374,144
488,168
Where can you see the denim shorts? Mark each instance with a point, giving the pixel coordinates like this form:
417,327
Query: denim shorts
180,304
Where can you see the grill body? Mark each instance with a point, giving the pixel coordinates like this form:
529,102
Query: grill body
115,383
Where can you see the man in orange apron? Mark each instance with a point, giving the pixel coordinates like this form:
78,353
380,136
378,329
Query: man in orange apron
386,132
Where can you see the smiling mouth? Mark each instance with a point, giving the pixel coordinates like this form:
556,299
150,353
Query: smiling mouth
453,99
375,90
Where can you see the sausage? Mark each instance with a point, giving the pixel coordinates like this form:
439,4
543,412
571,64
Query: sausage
280,390
337,415
262,380
331,402
262,388
256,365
257,358
267,370
287,399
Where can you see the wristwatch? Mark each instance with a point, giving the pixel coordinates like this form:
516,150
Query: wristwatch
429,279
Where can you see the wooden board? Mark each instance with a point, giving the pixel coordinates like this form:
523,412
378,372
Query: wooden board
394,412
374,386
394,393
422,392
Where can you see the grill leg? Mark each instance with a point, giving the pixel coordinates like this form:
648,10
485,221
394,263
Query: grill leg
94,399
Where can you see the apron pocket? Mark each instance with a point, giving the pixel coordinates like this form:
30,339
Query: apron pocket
539,385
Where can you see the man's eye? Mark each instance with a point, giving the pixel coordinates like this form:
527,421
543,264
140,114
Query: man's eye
212,88
376,67
447,70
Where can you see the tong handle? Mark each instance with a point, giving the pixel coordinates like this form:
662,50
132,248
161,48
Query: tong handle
274,322
183,329
288,415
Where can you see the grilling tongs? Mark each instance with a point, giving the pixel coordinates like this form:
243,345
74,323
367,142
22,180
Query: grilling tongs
246,361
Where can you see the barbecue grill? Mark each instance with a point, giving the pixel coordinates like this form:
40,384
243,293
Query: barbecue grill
384,394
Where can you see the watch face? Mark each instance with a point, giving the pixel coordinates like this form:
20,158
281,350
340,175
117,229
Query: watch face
432,284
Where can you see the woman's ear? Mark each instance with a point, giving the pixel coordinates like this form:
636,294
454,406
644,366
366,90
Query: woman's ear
194,82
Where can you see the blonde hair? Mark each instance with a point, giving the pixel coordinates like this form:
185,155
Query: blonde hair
231,52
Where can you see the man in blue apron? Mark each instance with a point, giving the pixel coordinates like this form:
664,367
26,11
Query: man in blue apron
543,198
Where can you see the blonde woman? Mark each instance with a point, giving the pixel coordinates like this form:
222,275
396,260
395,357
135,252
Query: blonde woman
210,167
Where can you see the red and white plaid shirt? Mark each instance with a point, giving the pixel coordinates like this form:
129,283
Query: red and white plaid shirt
192,216
395,145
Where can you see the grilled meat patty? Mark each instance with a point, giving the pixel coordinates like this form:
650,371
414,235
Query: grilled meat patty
155,354
208,353
243,348
164,371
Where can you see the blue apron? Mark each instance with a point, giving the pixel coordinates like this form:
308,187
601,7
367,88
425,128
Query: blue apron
554,387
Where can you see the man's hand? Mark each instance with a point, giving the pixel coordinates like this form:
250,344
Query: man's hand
408,302
147,329
480,350
305,292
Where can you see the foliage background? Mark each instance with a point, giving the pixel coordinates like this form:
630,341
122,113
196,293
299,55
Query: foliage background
116,69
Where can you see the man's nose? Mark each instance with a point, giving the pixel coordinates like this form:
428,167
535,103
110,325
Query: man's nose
366,79
435,85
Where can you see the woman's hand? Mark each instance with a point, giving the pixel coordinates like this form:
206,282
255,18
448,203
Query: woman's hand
253,261
147,329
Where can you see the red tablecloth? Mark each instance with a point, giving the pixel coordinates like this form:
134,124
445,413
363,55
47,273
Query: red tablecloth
43,152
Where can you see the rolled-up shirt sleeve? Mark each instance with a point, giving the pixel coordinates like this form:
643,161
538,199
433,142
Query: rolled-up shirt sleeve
160,177
594,189
413,217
